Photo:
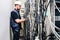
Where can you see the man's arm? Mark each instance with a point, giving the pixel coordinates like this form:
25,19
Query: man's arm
19,20
15,17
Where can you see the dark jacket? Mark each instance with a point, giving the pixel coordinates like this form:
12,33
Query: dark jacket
15,15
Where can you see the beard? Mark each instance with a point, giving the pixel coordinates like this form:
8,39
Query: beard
18,9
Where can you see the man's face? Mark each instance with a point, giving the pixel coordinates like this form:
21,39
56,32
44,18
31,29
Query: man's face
18,7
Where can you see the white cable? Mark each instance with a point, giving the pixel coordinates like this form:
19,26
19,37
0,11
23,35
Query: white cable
57,8
53,29
53,25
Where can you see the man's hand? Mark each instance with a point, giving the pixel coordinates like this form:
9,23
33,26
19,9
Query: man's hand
20,20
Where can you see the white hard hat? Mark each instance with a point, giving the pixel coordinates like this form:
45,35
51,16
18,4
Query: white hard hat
18,2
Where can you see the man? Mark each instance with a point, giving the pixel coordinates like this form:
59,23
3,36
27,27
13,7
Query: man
15,21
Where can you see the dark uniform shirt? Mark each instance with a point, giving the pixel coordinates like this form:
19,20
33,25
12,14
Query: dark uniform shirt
14,16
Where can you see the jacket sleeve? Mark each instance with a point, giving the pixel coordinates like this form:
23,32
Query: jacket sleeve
14,15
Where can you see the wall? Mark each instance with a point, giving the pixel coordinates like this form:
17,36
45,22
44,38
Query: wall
5,8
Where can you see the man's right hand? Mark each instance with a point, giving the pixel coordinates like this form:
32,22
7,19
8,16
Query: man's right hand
23,20
20,20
